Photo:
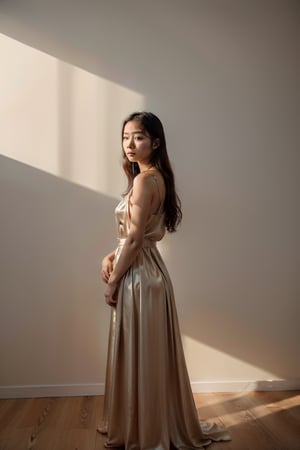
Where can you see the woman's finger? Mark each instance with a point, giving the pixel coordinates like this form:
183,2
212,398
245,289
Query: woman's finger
110,301
104,275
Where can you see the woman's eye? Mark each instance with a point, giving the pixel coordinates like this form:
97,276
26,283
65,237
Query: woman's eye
139,138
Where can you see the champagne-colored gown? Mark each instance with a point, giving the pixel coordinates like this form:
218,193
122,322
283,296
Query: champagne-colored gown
148,399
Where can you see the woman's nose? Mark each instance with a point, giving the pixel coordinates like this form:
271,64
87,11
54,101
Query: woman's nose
131,143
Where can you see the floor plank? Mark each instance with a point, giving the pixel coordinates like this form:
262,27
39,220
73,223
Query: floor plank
279,416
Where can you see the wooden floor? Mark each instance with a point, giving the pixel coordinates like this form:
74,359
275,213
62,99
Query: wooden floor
256,420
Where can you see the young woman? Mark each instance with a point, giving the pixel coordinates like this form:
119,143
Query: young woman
148,399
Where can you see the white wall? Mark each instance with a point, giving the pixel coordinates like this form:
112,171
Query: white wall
224,78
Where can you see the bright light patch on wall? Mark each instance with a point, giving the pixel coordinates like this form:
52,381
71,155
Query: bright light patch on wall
61,119
215,361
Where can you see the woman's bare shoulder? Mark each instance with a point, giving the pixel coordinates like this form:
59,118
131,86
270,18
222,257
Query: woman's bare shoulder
142,185
145,178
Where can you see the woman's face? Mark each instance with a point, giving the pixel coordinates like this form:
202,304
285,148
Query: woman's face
137,143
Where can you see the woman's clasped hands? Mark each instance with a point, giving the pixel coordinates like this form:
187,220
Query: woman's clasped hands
110,294
110,291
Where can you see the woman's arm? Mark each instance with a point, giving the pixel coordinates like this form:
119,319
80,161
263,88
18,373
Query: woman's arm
141,201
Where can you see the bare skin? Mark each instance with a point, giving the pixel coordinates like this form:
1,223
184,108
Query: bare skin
144,201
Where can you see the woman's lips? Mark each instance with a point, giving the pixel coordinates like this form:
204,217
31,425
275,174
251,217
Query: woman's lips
130,154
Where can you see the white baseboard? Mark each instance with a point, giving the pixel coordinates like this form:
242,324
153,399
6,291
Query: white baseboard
246,386
52,390
73,390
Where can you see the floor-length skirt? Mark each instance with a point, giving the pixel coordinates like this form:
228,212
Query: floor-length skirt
148,399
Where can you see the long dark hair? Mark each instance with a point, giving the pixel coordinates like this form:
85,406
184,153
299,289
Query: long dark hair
153,126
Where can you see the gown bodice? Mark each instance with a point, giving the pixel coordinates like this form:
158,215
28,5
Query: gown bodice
155,227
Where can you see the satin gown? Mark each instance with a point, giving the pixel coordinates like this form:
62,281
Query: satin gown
148,401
